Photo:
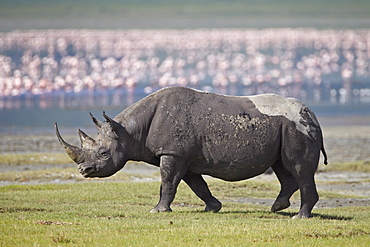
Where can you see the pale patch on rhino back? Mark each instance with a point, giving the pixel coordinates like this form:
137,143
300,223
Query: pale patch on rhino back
292,109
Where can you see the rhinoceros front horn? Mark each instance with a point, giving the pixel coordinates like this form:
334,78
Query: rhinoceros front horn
73,152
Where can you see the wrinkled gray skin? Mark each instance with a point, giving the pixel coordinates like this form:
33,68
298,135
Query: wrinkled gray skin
188,133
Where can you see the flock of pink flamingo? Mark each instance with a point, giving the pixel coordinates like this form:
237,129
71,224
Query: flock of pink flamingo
293,62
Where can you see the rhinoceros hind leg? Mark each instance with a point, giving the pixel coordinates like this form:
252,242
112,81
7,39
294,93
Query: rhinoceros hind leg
200,188
309,196
304,172
288,184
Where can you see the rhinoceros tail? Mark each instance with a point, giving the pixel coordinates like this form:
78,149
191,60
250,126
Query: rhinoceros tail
324,153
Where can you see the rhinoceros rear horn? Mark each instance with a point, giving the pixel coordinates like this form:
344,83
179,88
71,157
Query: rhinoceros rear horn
73,152
86,141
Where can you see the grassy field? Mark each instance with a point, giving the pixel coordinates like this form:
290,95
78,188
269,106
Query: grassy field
25,14
111,212
50,204
116,214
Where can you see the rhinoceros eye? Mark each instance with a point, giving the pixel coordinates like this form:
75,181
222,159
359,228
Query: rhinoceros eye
104,154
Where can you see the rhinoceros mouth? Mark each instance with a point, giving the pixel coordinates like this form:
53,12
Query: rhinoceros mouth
87,170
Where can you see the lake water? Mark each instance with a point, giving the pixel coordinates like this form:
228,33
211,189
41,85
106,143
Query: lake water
37,114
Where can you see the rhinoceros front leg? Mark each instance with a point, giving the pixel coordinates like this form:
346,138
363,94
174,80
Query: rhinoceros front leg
172,171
200,188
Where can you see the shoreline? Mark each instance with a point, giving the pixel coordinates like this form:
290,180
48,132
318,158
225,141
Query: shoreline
347,140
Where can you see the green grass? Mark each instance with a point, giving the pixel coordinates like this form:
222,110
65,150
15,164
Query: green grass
116,214
34,158
62,175
355,166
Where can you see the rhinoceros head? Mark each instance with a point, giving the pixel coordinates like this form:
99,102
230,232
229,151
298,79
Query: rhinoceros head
101,157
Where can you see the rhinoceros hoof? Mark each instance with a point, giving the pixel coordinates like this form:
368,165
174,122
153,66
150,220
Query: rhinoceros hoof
156,210
213,207
211,210
280,205
300,217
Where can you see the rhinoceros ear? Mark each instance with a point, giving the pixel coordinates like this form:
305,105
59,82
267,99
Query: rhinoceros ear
97,123
116,127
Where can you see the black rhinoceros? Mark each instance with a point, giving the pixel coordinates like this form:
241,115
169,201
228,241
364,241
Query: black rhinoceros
188,133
